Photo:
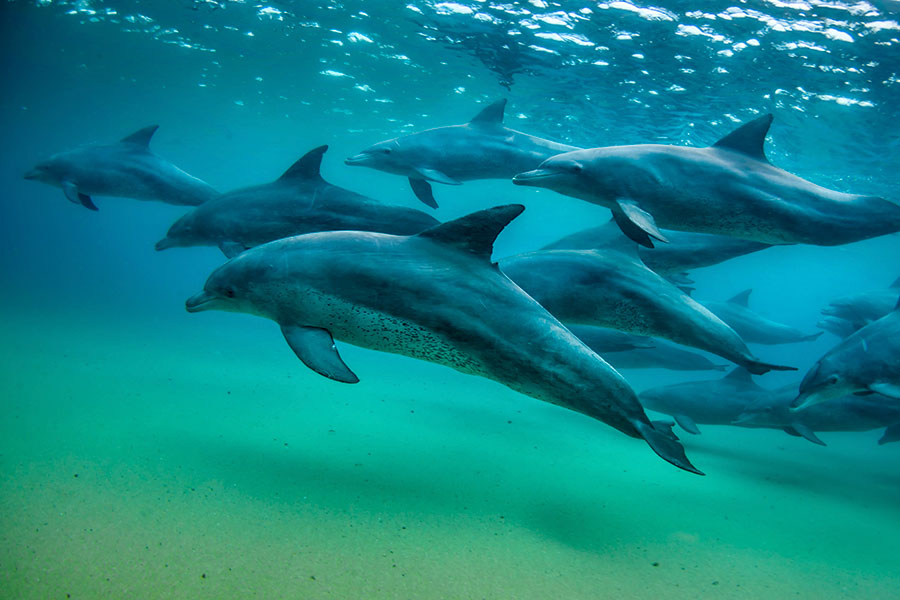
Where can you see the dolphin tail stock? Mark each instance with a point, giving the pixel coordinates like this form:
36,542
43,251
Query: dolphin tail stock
664,442
758,367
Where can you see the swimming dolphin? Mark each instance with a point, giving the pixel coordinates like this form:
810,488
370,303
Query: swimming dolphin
434,296
127,169
605,341
753,328
847,413
664,355
299,201
608,288
729,189
480,149
867,361
859,309
685,251
716,402
838,326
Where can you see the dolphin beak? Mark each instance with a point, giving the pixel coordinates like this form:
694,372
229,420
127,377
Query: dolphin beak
164,244
359,159
199,302
805,400
743,419
32,174
532,177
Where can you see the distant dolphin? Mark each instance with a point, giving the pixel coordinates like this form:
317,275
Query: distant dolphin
849,313
867,361
126,169
729,188
685,251
605,341
434,296
847,413
300,201
716,402
753,328
608,288
480,149
664,355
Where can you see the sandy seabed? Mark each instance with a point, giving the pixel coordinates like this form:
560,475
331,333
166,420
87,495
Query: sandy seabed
144,460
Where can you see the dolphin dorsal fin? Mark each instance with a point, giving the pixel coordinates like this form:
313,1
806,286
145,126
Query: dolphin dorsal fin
740,374
741,299
141,137
491,115
307,167
474,233
749,138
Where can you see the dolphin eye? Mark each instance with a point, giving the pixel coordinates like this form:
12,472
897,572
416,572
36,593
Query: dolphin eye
832,380
577,168
229,292
385,150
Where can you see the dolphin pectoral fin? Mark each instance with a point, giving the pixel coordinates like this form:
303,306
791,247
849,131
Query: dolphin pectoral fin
806,433
759,368
71,192
891,434
422,190
891,390
437,176
812,337
637,223
231,249
315,347
687,423
660,438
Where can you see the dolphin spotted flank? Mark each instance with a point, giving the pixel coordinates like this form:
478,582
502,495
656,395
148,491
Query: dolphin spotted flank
729,188
483,148
434,296
126,169
300,201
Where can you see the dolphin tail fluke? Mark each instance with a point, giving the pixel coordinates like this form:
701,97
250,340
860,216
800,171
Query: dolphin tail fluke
660,438
422,190
760,368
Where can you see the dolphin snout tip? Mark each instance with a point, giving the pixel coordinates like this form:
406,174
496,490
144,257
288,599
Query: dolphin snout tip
163,244
30,175
528,177
198,302
355,160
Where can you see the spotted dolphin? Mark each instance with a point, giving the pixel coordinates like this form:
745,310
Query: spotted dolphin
300,201
126,169
483,148
867,361
754,328
434,296
729,188
608,288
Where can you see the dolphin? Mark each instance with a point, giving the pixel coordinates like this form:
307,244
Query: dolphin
665,355
434,296
729,188
299,201
605,341
847,413
868,361
717,402
858,310
752,327
127,169
685,251
608,288
838,326
483,148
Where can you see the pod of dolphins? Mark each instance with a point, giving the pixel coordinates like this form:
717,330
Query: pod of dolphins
327,264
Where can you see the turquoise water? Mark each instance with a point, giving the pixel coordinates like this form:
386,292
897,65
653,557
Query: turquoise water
211,463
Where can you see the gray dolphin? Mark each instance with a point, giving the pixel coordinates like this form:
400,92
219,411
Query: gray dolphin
300,201
867,361
847,413
716,402
729,189
849,313
480,149
608,288
664,355
126,169
605,341
434,296
754,328
685,251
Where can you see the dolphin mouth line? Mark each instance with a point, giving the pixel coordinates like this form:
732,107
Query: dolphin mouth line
528,176
358,159
164,244
199,302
